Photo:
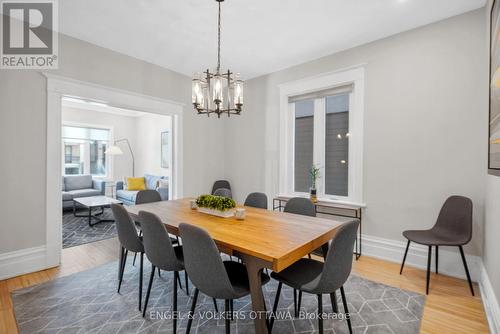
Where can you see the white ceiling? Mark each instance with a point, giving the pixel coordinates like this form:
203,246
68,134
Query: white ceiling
258,36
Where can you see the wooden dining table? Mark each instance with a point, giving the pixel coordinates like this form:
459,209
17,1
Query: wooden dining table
264,239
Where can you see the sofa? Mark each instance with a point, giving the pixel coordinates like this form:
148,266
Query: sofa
158,183
74,186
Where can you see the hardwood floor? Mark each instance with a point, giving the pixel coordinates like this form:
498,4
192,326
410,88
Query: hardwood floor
449,307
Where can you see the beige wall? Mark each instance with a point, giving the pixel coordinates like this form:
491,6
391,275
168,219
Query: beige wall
491,248
424,120
23,132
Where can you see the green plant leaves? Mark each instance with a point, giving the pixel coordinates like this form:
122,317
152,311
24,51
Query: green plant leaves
215,202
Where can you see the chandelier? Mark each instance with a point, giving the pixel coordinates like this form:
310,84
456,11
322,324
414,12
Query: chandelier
220,92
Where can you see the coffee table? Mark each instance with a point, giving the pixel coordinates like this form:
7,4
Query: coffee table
94,202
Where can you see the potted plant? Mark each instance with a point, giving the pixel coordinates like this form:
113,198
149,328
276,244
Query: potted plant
314,177
216,205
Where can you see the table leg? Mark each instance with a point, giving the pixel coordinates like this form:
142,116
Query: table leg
90,216
254,269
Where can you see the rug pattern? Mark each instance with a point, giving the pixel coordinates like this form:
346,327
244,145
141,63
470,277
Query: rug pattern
87,302
76,230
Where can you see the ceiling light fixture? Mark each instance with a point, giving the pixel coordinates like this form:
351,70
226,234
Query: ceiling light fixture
218,93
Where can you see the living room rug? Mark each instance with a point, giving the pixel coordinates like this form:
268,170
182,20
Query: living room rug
87,302
76,230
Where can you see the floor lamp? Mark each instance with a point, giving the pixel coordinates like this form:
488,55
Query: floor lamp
115,150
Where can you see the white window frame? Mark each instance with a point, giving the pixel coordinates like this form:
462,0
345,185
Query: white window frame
110,158
354,76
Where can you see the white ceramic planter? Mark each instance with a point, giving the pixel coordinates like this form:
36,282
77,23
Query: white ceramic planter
213,212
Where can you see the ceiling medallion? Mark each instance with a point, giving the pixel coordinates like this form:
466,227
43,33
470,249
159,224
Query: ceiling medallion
219,93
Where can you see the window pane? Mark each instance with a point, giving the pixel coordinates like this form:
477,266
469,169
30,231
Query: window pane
97,158
84,150
304,132
337,145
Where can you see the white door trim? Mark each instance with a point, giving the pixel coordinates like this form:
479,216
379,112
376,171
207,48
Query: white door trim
59,87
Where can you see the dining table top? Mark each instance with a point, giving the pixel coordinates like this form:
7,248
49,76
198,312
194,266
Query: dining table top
277,238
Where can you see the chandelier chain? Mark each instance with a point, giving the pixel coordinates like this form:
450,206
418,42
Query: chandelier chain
218,43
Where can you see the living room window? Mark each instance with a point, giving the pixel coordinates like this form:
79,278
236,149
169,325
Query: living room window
322,125
83,149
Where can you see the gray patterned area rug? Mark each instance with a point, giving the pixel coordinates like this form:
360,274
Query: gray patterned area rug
76,230
87,302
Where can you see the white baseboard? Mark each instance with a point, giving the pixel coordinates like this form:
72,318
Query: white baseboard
22,262
450,262
490,302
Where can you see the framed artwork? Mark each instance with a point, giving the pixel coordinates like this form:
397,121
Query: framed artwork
165,149
494,88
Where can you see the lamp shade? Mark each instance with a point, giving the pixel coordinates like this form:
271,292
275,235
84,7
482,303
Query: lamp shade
114,150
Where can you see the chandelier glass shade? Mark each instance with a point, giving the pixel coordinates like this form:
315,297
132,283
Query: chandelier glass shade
218,92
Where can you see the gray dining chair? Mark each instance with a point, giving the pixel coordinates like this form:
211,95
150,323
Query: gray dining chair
220,184
300,206
318,278
223,192
226,280
162,254
129,241
453,228
148,196
256,200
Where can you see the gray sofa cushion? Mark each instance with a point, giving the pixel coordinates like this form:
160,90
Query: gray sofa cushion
74,182
66,196
84,192
128,195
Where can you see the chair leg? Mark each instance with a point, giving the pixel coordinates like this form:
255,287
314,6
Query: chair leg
333,299
151,277
179,280
320,314
346,310
226,317
299,303
275,306
437,258
231,309
174,301
404,257
120,262
135,255
191,312
295,303
429,256
123,270
159,272
140,280
186,280
309,255
466,269
215,305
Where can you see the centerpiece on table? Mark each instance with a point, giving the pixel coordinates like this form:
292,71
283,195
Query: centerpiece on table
216,205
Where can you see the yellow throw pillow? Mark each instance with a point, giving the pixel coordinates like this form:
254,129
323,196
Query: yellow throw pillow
136,183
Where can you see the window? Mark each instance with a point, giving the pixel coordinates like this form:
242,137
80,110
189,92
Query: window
336,169
304,135
84,149
322,125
